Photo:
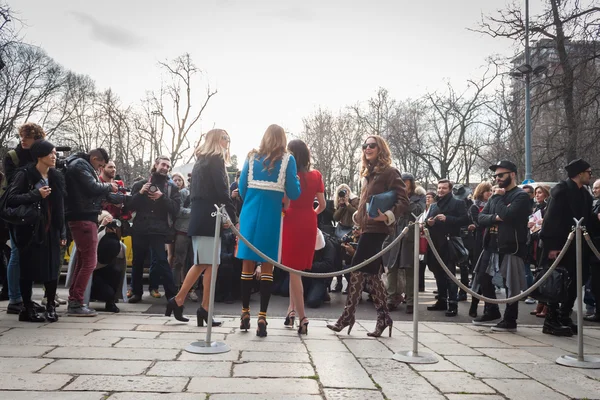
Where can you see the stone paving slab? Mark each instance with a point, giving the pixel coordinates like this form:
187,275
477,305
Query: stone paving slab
273,386
270,370
484,367
190,336
341,370
124,334
191,368
24,351
510,355
473,397
20,365
156,396
97,367
352,394
266,397
128,383
62,395
476,341
28,381
368,348
523,389
55,339
572,382
113,353
232,355
453,349
457,382
283,357
314,345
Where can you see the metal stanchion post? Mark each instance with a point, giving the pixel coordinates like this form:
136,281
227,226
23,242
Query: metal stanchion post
414,357
580,360
207,346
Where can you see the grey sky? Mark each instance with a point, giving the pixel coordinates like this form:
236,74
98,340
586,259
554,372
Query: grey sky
271,61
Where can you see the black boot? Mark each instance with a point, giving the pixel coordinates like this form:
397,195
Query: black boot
566,320
439,305
29,314
50,313
552,325
452,310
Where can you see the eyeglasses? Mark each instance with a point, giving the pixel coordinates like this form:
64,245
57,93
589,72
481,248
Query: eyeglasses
500,175
369,146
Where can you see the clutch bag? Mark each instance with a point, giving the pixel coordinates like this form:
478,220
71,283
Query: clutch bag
383,202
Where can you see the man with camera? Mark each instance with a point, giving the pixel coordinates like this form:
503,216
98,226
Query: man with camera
83,205
345,204
156,202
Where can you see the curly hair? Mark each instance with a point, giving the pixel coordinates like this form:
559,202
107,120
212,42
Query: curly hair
384,157
31,130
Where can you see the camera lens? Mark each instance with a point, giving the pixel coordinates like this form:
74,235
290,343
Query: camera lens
152,189
342,193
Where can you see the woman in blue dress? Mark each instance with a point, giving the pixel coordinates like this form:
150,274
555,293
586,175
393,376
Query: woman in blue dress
268,179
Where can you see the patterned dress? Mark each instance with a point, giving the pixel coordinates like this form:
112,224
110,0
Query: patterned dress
262,192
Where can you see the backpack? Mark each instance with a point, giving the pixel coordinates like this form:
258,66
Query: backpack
15,159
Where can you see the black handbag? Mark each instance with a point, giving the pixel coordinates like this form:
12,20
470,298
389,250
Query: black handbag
457,251
555,289
24,214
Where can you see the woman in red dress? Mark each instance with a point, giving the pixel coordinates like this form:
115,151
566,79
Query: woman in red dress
300,230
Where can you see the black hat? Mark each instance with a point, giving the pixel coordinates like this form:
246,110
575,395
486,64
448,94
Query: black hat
461,192
408,177
576,167
109,248
41,148
504,164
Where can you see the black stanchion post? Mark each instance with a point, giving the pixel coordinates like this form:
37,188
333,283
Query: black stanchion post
413,356
580,360
207,346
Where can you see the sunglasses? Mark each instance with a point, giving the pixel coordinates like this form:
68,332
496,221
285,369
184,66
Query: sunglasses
369,146
589,172
500,175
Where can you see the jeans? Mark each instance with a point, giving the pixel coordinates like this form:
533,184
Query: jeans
315,290
13,274
488,289
159,263
85,236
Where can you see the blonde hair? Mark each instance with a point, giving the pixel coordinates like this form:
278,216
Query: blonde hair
482,188
384,157
179,174
211,146
273,146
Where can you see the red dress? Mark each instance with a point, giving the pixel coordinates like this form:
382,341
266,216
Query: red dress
300,224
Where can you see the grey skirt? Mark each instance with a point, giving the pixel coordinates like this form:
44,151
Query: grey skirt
203,250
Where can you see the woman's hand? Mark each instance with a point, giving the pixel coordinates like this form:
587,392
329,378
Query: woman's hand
530,224
107,220
381,217
45,191
63,242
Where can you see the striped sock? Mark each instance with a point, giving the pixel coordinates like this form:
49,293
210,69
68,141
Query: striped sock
247,282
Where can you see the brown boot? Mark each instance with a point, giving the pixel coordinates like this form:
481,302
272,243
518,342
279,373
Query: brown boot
538,309
355,288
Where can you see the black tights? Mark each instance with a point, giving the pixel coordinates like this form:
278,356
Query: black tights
27,290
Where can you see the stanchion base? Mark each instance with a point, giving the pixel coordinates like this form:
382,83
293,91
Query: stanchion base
203,347
415,358
571,361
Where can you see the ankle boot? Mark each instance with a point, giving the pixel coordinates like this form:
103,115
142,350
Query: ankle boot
452,310
50,313
439,305
566,320
538,309
29,314
552,325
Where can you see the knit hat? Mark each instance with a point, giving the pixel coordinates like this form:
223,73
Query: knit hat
41,148
576,167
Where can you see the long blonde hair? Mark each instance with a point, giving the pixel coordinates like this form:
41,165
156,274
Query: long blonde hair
273,146
211,146
180,175
384,158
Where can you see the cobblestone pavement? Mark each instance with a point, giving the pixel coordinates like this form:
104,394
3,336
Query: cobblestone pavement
140,356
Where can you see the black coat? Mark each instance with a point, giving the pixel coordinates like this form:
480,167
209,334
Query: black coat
155,217
456,217
24,157
39,245
567,201
86,192
514,208
210,186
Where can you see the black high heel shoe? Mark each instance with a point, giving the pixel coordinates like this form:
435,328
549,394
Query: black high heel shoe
172,307
289,319
303,328
245,321
202,316
261,330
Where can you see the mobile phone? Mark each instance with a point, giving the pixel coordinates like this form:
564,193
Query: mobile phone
40,184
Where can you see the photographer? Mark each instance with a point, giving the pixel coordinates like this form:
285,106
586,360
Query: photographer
156,202
83,205
345,204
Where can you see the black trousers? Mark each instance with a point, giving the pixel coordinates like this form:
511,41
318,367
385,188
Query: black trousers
105,283
447,289
155,244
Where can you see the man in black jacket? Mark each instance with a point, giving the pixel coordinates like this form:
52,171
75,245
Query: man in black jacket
569,199
83,205
324,260
156,202
504,218
445,219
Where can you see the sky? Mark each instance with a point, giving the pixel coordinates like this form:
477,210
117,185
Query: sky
271,61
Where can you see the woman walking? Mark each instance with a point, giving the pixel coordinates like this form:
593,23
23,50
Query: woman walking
300,231
269,175
39,185
210,186
379,177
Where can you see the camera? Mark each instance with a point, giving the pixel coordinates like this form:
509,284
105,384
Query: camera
153,189
342,193
61,160
114,224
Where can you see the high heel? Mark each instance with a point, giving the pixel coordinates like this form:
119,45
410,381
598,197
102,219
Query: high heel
202,316
303,327
177,310
245,320
383,321
261,330
289,319
340,324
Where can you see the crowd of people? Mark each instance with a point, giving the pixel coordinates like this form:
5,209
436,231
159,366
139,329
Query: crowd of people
494,236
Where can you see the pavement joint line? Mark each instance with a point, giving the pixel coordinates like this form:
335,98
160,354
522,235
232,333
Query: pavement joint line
314,367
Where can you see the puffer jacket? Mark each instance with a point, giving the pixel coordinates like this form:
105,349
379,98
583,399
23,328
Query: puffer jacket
85,191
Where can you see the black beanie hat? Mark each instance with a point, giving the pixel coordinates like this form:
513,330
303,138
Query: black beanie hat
41,148
576,167
109,248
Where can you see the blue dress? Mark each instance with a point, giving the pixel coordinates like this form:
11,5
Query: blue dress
262,192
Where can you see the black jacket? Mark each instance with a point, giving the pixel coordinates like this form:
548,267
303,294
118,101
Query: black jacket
155,217
210,186
456,217
567,201
10,168
514,208
86,192
39,244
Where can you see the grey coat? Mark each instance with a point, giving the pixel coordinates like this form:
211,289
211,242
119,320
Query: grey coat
185,212
402,254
